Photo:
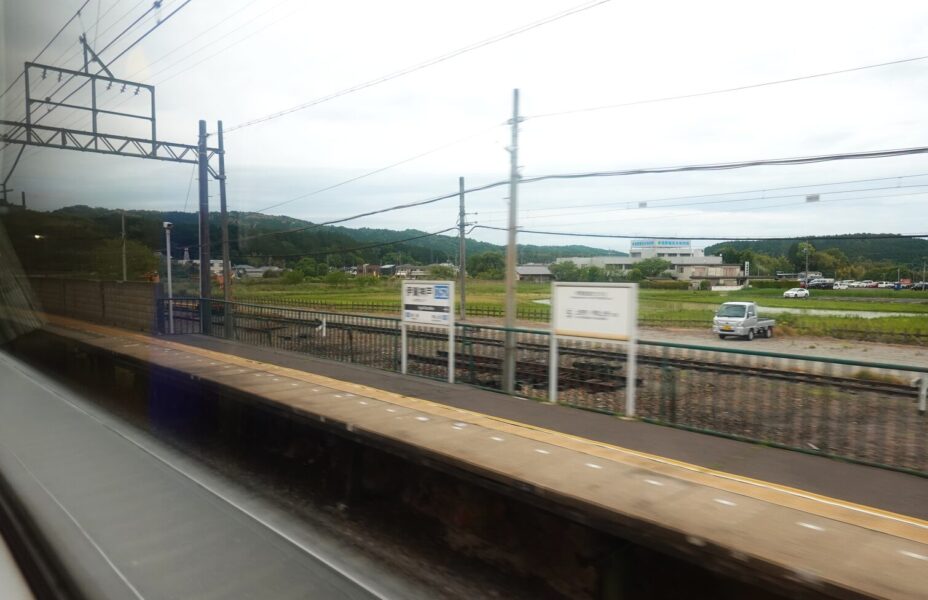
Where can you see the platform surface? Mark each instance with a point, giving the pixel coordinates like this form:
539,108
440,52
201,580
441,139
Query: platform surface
831,544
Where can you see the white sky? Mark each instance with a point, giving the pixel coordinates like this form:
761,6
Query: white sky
237,60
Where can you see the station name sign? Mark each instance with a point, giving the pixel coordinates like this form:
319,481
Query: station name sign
428,302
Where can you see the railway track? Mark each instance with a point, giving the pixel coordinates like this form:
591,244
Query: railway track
852,384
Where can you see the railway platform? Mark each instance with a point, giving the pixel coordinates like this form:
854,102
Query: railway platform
837,528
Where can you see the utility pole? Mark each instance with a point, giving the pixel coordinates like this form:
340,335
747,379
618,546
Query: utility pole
167,245
462,249
224,224
205,283
24,199
805,250
122,215
509,358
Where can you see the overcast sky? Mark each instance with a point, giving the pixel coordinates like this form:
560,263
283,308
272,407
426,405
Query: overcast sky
239,60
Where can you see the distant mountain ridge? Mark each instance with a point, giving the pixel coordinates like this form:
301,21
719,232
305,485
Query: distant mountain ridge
892,248
257,238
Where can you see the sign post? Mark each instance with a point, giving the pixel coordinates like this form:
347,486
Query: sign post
607,311
431,304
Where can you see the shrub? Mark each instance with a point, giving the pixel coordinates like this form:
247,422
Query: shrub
779,284
666,284
292,277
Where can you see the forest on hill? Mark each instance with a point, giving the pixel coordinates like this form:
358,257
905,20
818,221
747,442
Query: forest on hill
87,240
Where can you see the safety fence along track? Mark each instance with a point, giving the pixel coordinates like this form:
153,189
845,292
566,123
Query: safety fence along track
867,412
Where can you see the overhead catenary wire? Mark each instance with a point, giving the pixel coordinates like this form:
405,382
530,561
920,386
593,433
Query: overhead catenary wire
118,56
419,66
44,48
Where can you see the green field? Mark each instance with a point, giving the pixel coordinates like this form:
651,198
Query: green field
667,308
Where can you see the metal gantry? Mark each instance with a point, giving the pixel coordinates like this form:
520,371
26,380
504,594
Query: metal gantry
30,132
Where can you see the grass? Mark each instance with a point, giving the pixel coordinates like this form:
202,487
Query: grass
861,300
656,307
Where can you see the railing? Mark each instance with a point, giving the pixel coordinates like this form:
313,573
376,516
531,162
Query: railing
867,412
873,330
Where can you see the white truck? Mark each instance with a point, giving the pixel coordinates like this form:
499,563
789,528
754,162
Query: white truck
740,319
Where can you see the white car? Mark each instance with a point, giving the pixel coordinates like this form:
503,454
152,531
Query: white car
840,286
796,293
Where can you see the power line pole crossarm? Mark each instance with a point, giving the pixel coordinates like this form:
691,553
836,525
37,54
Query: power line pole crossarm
509,362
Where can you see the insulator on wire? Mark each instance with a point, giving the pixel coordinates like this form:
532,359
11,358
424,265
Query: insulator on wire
123,88
137,88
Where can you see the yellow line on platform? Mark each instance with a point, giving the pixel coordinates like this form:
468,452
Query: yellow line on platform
851,513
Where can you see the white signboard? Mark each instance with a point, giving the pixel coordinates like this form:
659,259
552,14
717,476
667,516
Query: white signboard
595,310
598,310
428,302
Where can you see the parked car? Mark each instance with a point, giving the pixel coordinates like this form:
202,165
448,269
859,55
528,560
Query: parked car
840,286
885,284
796,293
920,286
740,319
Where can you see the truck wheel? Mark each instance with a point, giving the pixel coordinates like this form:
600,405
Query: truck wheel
769,332
750,335
721,337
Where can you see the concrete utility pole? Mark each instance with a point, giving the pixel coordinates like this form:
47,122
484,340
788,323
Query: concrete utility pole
122,215
509,359
462,249
205,291
805,249
167,245
24,199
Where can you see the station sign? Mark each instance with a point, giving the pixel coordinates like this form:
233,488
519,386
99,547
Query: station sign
604,310
428,303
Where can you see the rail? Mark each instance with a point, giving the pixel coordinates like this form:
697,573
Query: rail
862,411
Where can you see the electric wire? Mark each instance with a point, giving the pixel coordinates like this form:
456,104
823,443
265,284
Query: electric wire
717,194
379,170
356,248
50,42
621,236
420,66
727,90
627,172
649,208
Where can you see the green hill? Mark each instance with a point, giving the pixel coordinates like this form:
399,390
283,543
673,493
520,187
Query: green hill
896,249
86,239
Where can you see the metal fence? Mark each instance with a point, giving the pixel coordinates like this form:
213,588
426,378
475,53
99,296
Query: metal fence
867,412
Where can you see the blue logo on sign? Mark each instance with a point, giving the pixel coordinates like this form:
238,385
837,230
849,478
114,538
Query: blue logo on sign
441,292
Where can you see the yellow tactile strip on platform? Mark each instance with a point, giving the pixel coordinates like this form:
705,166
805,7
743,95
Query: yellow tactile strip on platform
853,547
862,516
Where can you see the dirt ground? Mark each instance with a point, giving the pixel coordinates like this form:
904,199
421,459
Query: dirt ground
809,346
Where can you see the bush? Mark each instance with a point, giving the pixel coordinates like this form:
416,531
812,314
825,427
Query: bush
705,285
292,277
666,284
778,285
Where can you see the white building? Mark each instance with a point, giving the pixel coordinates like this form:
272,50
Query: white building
654,248
687,263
